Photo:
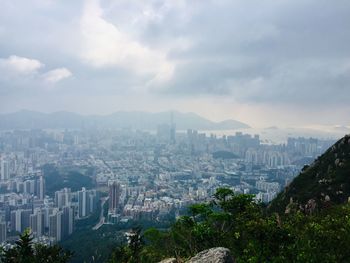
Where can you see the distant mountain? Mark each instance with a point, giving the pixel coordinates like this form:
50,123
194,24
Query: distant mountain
137,120
325,182
272,128
341,128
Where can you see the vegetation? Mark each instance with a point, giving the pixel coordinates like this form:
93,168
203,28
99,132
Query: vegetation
132,252
24,251
316,227
240,224
56,180
98,244
326,181
94,245
92,220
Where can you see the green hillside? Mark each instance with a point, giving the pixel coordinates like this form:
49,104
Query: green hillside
322,184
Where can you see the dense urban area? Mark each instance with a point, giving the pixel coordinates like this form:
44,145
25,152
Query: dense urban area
53,179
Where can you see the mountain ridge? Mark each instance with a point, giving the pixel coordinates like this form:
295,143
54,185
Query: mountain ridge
25,119
324,183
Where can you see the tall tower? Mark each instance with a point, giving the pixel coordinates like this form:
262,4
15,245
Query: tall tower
114,194
40,188
83,203
172,128
5,173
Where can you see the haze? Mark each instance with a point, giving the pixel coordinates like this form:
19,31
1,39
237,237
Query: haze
261,62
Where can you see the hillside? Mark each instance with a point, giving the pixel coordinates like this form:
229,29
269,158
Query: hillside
137,120
324,183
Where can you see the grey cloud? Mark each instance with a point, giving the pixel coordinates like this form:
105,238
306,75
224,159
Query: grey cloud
288,51
291,47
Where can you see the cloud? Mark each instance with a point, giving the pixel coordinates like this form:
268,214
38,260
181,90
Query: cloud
21,73
290,53
262,52
57,75
21,65
105,45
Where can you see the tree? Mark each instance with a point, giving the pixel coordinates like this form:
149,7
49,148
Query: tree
24,251
131,253
135,243
240,224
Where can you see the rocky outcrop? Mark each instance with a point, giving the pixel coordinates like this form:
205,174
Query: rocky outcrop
213,255
169,260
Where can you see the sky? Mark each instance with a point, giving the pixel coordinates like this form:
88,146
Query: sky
284,63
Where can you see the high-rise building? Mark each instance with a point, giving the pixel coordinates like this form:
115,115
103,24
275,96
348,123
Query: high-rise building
25,219
86,202
20,219
47,212
55,225
3,232
40,188
4,169
92,200
172,129
63,197
16,220
33,224
29,186
37,224
83,203
114,194
67,221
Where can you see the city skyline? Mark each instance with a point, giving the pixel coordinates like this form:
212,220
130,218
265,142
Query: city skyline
57,181
260,63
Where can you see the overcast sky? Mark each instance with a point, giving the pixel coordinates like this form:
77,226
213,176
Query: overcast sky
263,62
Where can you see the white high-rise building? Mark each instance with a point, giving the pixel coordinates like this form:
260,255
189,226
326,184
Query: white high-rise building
62,198
86,202
37,223
41,188
83,203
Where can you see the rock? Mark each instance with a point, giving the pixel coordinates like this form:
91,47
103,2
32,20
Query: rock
310,207
169,260
213,255
337,161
